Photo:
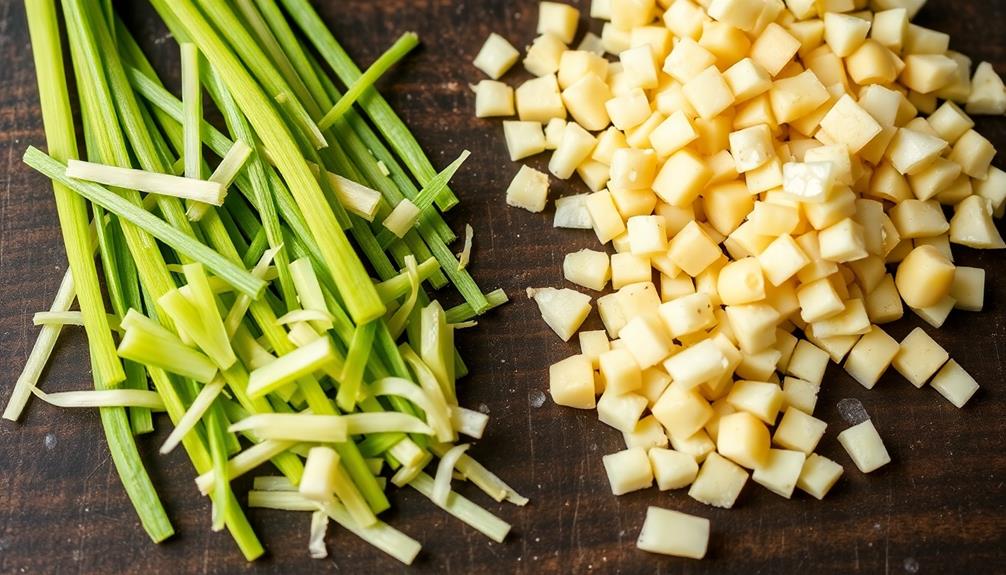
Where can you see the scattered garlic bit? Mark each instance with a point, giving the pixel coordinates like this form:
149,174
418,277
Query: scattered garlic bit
796,174
674,533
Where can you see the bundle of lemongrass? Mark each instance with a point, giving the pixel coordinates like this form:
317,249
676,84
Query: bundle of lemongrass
235,291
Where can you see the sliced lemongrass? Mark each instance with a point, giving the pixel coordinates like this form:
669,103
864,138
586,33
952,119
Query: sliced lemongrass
406,452
398,321
170,355
436,347
355,197
352,499
316,542
303,121
281,500
245,461
150,182
304,316
485,522
103,398
384,422
189,321
193,414
466,251
309,292
383,168
192,108
241,304
64,318
273,483
437,416
445,471
304,427
463,311
288,368
405,43
438,183
356,361
468,421
402,219
40,352
318,481
407,473
376,464
487,481
226,171
400,285
424,375
198,293
465,325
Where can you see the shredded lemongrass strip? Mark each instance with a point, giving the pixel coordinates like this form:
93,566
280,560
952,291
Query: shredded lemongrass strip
355,197
39,356
383,168
465,325
287,368
396,52
402,219
384,422
466,251
150,182
468,421
295,427
305,281
486,480
281,500
103,398
188,318
304,315
463,311
352,499
316,543
192,109
172,355
74,318
224,174
398,286
436,347
201,297
375,464
241,304
424,375
437,415
467,511
303,121
251,353
245,461
398,321
445,470
438,183
356,361
407,453
193,414
407,473
273,483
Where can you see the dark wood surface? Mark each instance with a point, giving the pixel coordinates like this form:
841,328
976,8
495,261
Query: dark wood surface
938,508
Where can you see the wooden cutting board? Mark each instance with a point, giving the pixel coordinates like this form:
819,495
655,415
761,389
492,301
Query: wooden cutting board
938,508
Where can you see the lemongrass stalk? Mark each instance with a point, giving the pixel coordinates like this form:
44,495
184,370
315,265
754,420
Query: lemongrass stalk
291,367
469,422
192,104
309,291
316,542
244,462
401,284
437,347
64,318
352,372
445,471
188,318
192,415
397,323
215,430
304,315
199,294
406,473
241,304
464,311
103,398
302,120
405,43
71,209
170,355
224,174
466,251
437,415
272,483
352,499
40,352
163,184
464,509
400,220
304,427
384,422
355,197
484,479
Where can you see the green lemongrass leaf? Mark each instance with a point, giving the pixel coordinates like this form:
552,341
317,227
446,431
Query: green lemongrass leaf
437,348
244,462
75,318
466,251
401,219
385,422
437,415
457,505
199,294
154,183
407,473
389,58
438,183
190,321
401,285
309,292
103,398
445,471
291,367
306,427
170,355
224,174
397,323
464,311
241,304
193,414
302,120
192,103
303,316
251,353
357,358
215,432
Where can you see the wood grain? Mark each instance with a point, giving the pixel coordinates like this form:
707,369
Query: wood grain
938,508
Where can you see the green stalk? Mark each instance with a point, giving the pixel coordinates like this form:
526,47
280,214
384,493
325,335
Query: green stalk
464,312
192,104
356,360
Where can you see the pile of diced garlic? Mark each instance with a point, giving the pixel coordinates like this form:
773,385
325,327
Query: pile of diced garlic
786,169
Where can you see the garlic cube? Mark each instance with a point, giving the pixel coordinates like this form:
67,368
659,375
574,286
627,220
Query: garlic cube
752,147
607,221
753,325
799,431
808,363
628,470
924,277
955,384
741,282
674,533
871,356
682,177
558,19
780,472
633,169
687,314
587,268
628,110
719,482
672,469
523,139
843,242
620,371
968,289
543,55
865,446
674,133
744,439
620,410
800,394
496,56
795,97
988,93
844,33
593,344
528,190
629,268
819,475
575,147
709,93
538,100
648,434
646,340
759,398
774,48
585,99
681,411
697,364
571,382
972,225
562,309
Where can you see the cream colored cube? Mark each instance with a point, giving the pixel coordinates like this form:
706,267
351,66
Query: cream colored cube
496,56
819,300
633,169
615,39
639,300
675,287
562,309
729,43
672,469
553,133
620,410
883,304
682,412
608,223
575,147
571,382
844,33
795,97
848,123
528,190
950,122
695,365
753,325
628,268
657,37
819,475
646,340
988,93
968,288
782,259
743,439
993,189
648,434
890,27
575,64
628,470
629,14
918,219
919,357
698,445
741,282
864,446
655,381
761,399
693,250
936,315
538,100
871,356
927,73
774,219
685,19
543,55
593,344
774,48
628,110
587,268
558,19
934,178
687,60
843,242
747,79
800,394
974,153
493,99
799,431
594,174
719,482
972,225
611,314
674,533
780,472
924,277
872,63
620,371
810,181
954,384
674,133
709,93
523,139
852,321
687,314
743,14
585,101
752,147
808,363
681,179
910,151
639,136
647,235
639,67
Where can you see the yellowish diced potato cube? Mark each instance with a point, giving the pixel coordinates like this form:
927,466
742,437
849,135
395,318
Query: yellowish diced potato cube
972,225
883,304
848,123
620,410
629,14
687,314
727,42
682,178
726,205
954,384
674,533
761,399
611,314
747,79
562,309
785,343
685,18
493,99
741,282
742,14
628,470
698,445
608,223
615,39
647,235
628,110
819,475
809,182
528,190
620,371
865,446
639,136
799,431
774,48
538,100
926,73
780,472
795,97
968,289
714,134
709,93
674,133
974,153
648,434
633,169
872,63
852,321
523,139
585,101
871,356
919,219
808,363
843,242
594,174
782,259
774,219
558,19
553,133
655,381
719,482
629,268
639,299
752,147
571,382
575,147
924,277
593,344
950,122
934,178
496,56
844,33
819,300
575,64
675,287
672,469
800,394
743,439
687,60
890,27
919,357
988,93
543,55
753,325
682,412
658,38
693,250
695,365
936,315
910,151
646,341
639,67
